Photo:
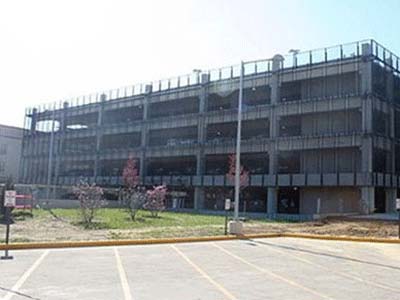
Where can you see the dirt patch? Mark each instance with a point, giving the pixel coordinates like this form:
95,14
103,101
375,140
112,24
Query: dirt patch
52,228
339,227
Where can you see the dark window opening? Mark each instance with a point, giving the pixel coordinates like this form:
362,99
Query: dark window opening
255,129
123,115
380,200
174,107
77,168
80,145
221,131
171,166
380,161
173,136
289,200
257,95
289,162
115,167
380,122
180,197
290,91
290,126
396,88
223,100
121,141
379,80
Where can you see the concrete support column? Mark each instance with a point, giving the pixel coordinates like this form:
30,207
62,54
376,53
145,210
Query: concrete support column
99,135
367,155
272,201
145,131
389,81
60,144
31,146
367,203
272,198
33,120
391,195
201,138
277,65
198,198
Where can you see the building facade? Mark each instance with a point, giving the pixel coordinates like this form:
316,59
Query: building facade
10,152
320,133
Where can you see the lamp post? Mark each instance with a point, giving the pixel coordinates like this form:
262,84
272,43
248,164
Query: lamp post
294,52
235,226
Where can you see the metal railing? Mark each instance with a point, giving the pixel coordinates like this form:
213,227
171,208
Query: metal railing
262,66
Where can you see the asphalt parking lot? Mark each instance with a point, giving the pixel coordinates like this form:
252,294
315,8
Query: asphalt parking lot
275,268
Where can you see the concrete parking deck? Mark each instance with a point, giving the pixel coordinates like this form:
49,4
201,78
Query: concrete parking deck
279,268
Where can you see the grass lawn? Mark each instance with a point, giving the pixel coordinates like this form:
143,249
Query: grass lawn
110,223
115,218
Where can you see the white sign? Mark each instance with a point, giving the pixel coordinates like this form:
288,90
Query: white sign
227,204
10,198
398,204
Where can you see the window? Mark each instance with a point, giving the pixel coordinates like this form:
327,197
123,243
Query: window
3,149
2,167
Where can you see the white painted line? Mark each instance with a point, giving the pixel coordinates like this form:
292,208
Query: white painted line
205,275
122,276
300,257
272,274
25,276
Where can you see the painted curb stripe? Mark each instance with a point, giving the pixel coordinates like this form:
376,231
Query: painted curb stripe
77,244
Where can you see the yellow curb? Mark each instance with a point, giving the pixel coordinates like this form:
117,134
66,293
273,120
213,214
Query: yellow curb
77,244
103,243
341,238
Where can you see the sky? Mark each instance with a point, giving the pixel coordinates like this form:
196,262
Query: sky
53,50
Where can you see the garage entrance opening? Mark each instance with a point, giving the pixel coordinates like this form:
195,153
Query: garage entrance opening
289,200
380,200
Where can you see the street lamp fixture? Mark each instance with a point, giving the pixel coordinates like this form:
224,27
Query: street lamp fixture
294,52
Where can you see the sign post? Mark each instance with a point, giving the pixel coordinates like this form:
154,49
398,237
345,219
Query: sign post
9,201
227,208
398,210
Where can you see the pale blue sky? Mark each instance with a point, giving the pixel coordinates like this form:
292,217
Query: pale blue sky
52,50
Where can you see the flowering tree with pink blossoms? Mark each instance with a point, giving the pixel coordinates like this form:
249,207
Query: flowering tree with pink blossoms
90,199
244,174
132,195
155,202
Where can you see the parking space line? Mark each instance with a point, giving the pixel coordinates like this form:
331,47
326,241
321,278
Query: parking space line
122,276
204,274
272,274
356,278
15,289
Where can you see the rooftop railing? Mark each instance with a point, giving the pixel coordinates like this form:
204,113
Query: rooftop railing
294,60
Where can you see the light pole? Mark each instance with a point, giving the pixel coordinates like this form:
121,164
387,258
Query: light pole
235,226
294,52
238,138
197,72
